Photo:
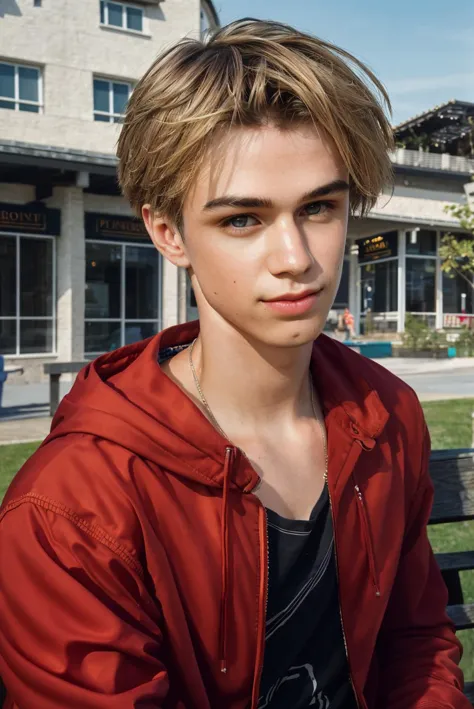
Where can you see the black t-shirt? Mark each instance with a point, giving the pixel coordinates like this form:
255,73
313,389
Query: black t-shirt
305,661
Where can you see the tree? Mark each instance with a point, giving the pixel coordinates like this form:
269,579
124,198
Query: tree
457,254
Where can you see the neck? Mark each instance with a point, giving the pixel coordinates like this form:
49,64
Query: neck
251,385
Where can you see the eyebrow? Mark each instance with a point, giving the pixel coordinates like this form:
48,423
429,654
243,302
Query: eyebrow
257,202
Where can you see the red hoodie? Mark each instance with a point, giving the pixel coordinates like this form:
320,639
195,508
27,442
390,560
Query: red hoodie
134,554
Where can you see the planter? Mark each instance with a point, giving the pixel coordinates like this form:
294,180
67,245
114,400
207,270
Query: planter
442,353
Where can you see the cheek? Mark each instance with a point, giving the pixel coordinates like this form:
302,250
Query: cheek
328,251
226,280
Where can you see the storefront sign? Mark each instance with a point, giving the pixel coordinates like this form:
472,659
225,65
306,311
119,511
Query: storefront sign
376,247
29,219
456,321
114,227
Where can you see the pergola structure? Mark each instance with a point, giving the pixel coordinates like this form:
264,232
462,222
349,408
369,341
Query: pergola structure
448,128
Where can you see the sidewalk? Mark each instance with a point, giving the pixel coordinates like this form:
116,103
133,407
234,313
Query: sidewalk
23,430
401,365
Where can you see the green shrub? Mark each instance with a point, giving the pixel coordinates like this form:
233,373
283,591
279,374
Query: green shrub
416,333
436,340
465,343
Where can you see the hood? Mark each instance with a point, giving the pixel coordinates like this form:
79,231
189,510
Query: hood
125,397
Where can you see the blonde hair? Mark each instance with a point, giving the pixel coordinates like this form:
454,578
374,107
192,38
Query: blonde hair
250,73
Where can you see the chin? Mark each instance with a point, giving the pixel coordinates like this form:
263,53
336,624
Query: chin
291,333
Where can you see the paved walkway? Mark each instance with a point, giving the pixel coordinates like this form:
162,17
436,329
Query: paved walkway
24,430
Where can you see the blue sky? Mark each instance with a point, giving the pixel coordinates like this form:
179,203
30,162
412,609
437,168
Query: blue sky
422,50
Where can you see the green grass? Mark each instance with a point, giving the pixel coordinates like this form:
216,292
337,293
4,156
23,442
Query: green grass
11,459
450,427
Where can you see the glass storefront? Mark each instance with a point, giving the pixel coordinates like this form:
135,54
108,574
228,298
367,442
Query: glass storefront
420,277
123,294
27,295
378,283
342,296
458,295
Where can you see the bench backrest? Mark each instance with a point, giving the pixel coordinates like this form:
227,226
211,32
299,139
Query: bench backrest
452,473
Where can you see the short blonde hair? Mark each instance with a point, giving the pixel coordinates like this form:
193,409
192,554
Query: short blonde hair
250,73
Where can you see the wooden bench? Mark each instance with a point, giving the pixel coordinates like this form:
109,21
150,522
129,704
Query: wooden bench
55,369
452,473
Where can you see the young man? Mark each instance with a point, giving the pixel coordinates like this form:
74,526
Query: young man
232,515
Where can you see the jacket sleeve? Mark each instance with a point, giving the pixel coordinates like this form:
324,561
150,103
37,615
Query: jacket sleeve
78,627
417,649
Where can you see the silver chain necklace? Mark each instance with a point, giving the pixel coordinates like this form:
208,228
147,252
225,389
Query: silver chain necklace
223,433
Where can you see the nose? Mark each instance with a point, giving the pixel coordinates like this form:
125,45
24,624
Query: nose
288,249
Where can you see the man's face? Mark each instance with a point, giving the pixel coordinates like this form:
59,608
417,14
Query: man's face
264,224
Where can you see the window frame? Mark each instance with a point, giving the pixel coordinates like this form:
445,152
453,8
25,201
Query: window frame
124,6
16,100
112,117
17,318
122,321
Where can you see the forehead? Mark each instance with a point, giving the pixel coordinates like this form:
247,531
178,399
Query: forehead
268,162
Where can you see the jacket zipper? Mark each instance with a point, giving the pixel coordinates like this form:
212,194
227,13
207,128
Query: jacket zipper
262,624
368,540
351,460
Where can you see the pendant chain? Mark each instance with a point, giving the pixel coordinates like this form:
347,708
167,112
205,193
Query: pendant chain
223,433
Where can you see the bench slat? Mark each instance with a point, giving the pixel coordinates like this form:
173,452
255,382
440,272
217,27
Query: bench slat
462,616
63,367
456,561
453,478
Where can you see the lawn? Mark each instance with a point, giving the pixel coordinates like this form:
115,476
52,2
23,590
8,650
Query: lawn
450,427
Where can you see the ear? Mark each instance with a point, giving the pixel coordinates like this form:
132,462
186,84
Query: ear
166,237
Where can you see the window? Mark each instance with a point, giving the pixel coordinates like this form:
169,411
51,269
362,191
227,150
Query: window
20,88
122,295
27,296
121,15
421,242
458,295
110,100
379,296
420,285
342,295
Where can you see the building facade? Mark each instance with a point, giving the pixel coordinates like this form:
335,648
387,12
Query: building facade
393,267
78,275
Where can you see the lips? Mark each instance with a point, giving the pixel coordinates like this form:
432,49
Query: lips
292,297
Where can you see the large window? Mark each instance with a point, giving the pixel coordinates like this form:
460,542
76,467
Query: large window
420,285
421,242
110,100
121,15
122,295
458,295
27,295
342,295
20,88
379,296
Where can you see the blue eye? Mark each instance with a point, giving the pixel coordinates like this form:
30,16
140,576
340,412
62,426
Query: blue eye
316,208
241,221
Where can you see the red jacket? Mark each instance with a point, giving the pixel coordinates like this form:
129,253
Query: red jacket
134,554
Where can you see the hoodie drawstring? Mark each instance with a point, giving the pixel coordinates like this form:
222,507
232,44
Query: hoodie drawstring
225,559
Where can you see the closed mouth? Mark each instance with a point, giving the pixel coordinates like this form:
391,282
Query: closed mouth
293,297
